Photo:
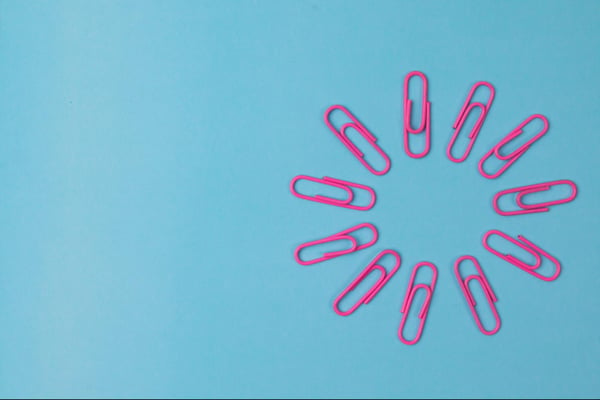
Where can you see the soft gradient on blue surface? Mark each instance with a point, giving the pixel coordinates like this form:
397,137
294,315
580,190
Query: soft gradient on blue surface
147,229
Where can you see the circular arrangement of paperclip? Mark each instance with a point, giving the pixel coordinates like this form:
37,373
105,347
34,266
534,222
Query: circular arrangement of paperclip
423,128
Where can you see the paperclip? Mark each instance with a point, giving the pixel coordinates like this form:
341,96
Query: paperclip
409,297
381,281
533,208
516,154
338,183
487,289
425,117
529,247
340,236
462,117
368,136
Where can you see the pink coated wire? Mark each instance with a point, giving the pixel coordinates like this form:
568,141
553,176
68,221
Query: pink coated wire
529,247
408,299
344,185
487,289
462,117
425,117
381,281
516,154
530,189
368,136
343,235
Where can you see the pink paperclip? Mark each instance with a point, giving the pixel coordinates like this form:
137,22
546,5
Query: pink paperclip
425,117
367,297
358,126
408,299
529,247
462,117
487,289
344,185
533,208
516,154
340,236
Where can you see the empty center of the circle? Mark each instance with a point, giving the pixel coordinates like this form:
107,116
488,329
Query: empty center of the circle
430,207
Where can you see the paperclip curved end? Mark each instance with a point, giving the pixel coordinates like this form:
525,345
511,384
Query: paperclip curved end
539,252
451,157
496,205
489,233
555,275
464,283
297,255
337,253
293,183
482,170
373,198
493,331
401,331
426,130
544,120
337,310
573,187
490,87
407,342
496,318
385,170
330,109
417,155
375,232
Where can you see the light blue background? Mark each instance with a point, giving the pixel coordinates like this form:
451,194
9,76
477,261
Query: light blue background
147,229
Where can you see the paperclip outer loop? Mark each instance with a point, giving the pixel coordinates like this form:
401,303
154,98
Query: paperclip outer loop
462,117
408,299
530,189
370,294
487,289
344,185
512,157
527,246
326,256
343,235
356,124
425,117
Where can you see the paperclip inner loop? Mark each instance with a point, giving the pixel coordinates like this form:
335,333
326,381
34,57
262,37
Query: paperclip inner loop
409,112
531,191
529,247
357,289
473,132
373,266
511,142
410,311
354,123
483,308
363,148
318,246
510,257
348,187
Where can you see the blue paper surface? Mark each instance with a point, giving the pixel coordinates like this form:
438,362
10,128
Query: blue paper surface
147,230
